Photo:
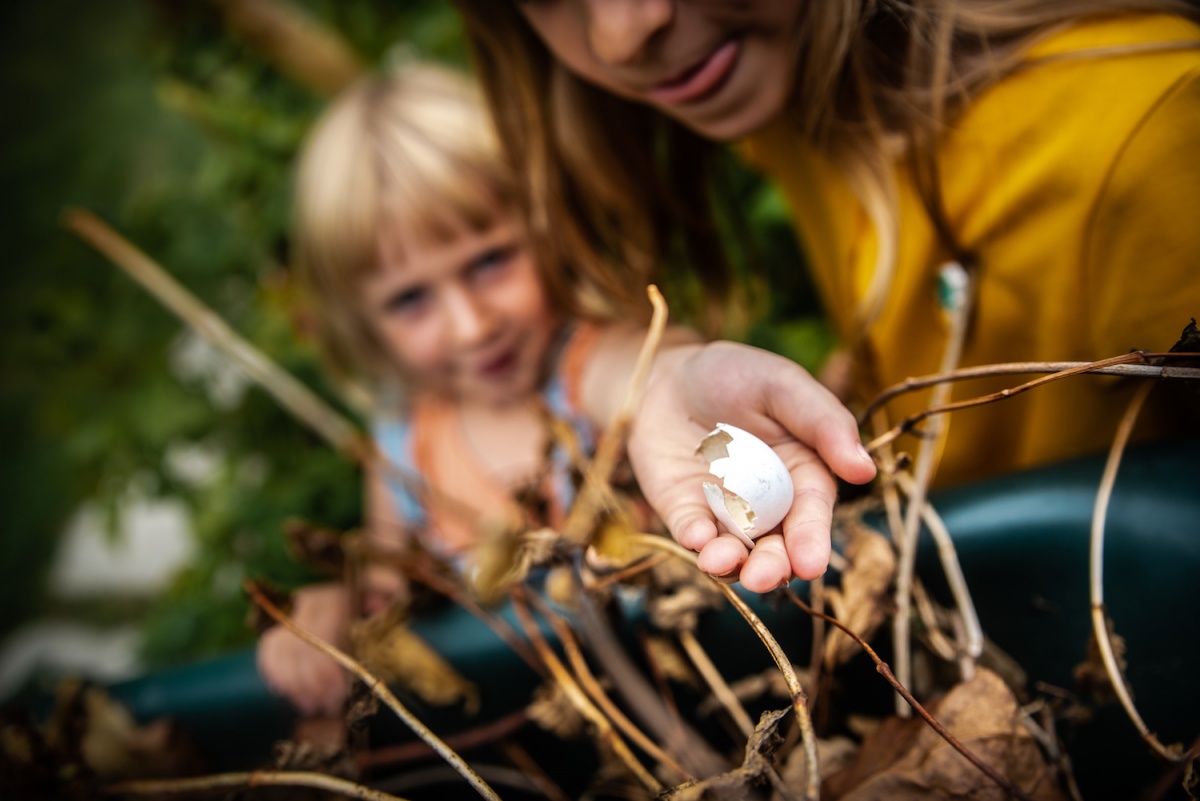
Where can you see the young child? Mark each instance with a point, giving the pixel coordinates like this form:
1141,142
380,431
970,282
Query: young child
1052,148
408,232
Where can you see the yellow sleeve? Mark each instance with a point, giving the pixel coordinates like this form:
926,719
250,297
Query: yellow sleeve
1142,263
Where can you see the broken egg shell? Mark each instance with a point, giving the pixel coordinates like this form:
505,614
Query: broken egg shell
755,492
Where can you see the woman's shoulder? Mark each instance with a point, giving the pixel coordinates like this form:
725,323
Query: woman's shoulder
1116,32
1073,106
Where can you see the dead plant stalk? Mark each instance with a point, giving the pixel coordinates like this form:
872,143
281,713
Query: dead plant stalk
579,699
377,688
812,769
1096,574
257,778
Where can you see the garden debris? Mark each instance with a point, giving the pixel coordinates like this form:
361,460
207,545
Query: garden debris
906,760
390,650
862,602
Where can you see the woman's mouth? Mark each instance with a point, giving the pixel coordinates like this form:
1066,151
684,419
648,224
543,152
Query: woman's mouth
698,80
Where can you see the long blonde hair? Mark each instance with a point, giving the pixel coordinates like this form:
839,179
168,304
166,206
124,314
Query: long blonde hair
414,148
874,78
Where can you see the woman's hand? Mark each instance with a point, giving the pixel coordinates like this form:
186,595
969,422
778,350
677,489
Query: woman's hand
296,670
694,387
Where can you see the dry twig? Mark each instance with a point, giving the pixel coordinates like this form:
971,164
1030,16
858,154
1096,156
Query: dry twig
1099,618
377,688
595,489
798,696
1075,368
579,699
256,778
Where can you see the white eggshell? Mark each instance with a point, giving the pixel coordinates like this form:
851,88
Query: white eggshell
755,491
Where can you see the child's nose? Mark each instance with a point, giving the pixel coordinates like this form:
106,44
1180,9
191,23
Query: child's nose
467,317
619,30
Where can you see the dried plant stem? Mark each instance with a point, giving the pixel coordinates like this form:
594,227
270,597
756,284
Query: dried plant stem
1124,365
377,688
256,778
972,643
816,593
1099,618
924,466
1079,368
495,731
592,687
596,489
625,573
882,668
532,771
301,402
812,768
305,50
293,395
721,689
936,639
579,699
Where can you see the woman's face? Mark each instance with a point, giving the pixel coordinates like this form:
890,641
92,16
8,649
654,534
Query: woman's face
467,317
721,68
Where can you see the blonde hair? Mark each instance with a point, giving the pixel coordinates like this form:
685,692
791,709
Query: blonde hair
874,79
415,149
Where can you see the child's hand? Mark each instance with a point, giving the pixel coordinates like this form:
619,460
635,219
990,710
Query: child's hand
694,387
295,669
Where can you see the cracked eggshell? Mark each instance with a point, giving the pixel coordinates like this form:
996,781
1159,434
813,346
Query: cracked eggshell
755,491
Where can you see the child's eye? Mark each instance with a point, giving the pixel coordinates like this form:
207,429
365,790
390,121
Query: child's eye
407,301
492,260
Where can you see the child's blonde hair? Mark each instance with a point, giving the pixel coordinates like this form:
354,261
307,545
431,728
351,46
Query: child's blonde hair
412,151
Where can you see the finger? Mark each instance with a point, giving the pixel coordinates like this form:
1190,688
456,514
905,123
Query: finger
686,513
722,556
767,566
818,418
806,531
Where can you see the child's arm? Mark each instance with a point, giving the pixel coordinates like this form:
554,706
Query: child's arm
691,388
296,670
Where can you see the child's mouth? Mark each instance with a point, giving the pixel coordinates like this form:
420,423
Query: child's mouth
498,366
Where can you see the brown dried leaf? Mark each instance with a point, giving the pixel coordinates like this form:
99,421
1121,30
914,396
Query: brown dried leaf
983,714
1091,675
257,618
394,653
758,762
669,661
863,600
833,755
612,546
553,711
115,746
317,546
680,609
561,588
769,682
504,558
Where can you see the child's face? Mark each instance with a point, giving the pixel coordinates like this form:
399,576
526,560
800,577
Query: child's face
468,317
722,69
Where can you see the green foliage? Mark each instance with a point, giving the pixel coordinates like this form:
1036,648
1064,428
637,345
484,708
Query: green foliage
183,140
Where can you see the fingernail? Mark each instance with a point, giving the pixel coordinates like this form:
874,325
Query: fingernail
862,452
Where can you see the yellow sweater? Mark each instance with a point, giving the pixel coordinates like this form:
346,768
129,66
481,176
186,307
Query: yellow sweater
1076,182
